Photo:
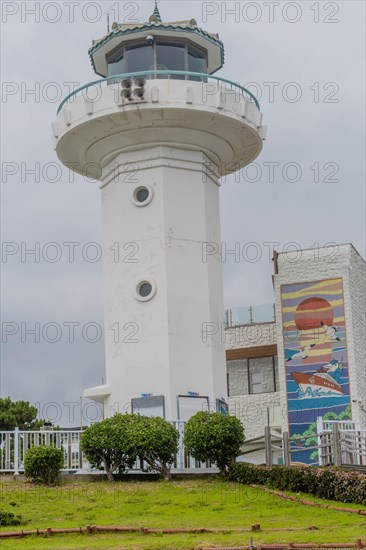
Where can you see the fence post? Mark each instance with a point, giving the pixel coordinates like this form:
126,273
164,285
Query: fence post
286,449
336,445
180,456
16,451
319,430
359,457
267,442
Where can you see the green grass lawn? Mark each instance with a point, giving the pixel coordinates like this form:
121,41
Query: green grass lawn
177,504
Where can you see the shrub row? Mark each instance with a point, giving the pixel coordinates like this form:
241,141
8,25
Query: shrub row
327,482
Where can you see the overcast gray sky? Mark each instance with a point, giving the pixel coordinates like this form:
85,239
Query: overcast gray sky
304,61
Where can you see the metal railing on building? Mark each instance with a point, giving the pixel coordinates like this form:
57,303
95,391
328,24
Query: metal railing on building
14,444
264,313
336,443
162,74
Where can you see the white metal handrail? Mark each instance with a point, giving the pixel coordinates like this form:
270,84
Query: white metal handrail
14,445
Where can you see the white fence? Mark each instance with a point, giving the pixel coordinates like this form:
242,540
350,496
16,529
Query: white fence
341,443
14,445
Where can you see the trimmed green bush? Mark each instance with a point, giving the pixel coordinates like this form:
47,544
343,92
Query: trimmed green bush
214,437
111,444
115,443
157,444
8,518
328,482
43,464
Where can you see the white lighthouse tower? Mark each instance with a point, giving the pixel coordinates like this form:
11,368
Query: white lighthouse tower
158,132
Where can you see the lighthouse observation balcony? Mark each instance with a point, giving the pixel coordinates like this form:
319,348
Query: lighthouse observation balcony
178,75
177,108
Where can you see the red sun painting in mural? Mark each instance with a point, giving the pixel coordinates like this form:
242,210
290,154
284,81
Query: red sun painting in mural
310,313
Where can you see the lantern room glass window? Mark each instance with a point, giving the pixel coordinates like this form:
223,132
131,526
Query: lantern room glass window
197,61
116,63
161,56
171,57
140,57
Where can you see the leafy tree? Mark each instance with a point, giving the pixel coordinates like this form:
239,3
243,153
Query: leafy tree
42,464
110,444
18,414
157,443
214,437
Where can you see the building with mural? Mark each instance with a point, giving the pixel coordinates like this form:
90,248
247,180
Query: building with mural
308,361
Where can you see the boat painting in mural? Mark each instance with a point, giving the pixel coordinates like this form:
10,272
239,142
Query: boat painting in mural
315,347
323,382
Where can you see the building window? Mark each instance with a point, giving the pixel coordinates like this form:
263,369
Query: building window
255,382
237,377
197,60
145,290
162,55
275,370
142,195
140,57
261,375
116,63
252,376
170,57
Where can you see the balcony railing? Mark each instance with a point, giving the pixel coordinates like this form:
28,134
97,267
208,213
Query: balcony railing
264,313
184,75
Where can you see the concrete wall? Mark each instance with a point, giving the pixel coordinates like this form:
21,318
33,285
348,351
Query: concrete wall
248,336
252,409
356,296
169,355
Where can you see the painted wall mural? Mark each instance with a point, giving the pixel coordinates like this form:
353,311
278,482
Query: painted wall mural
315,345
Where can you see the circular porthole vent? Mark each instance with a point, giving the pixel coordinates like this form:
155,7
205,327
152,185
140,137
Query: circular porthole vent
142,195
145,289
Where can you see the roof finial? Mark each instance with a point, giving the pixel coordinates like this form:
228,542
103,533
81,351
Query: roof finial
156,13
